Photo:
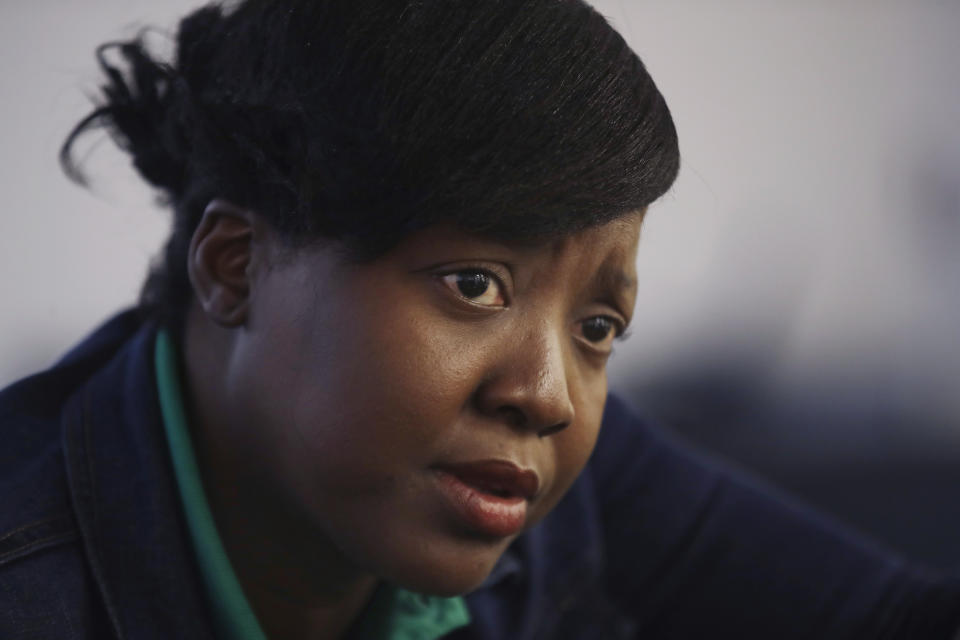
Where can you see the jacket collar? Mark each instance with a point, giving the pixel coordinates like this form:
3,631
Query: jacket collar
123,492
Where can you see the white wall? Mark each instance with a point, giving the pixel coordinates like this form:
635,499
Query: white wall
817,214
68,256
814,222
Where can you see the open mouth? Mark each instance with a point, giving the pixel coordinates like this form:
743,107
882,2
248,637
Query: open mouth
496,477
489,497
490,487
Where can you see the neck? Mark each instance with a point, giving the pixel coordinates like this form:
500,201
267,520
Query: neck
297,582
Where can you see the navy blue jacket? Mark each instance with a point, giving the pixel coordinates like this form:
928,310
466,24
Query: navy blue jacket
651,541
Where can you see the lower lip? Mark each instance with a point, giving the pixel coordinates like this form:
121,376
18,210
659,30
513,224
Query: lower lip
485,513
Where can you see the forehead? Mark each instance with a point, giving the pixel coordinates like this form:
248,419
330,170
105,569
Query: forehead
609,248
608,251
616,239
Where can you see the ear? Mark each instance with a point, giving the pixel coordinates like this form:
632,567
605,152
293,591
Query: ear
219,261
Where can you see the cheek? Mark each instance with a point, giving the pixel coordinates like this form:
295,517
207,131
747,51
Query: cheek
573,450
373,390
572,447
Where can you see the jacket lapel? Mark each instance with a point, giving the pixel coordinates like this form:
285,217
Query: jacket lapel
124,496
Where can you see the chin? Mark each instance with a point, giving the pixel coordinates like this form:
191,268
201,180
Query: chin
445,581
445,569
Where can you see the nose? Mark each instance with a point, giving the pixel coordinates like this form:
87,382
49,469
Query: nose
529,386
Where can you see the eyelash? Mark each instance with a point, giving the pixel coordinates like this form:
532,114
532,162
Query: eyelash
493,279
617,326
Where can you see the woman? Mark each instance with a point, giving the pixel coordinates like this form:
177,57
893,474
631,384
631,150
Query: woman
367,377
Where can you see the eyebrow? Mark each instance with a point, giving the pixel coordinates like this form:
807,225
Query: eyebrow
613,278
618,285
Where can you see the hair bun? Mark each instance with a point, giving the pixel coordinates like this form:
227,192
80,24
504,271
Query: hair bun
138,111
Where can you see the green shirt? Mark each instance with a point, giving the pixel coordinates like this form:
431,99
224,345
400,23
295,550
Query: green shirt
392,614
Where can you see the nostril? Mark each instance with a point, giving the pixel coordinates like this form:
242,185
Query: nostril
549,431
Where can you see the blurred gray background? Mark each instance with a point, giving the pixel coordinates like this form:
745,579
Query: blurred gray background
799,308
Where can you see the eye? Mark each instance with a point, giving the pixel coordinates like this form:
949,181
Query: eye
477,286
600,331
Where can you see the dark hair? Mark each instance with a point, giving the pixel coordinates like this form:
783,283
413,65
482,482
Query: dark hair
365,120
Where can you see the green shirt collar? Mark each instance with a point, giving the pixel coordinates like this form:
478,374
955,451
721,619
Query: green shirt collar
393,613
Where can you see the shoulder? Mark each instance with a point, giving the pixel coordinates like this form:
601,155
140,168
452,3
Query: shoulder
36,513
39,534
33,605
39,537
696,546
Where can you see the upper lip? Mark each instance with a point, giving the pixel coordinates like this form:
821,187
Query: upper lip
496,476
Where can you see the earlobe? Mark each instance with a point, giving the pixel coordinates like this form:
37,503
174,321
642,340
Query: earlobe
219,261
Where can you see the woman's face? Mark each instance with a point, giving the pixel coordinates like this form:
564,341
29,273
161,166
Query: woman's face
421,409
